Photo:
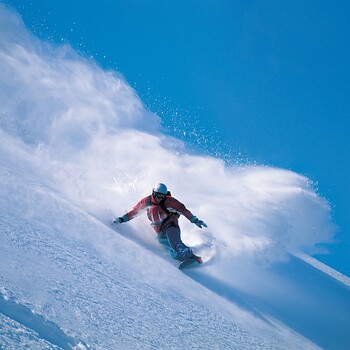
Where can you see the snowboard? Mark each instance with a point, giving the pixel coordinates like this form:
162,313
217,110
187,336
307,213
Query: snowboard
188,264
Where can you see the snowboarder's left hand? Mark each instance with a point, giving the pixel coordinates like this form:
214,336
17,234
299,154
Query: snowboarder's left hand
198,222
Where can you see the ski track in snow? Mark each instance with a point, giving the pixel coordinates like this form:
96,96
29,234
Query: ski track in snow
14,336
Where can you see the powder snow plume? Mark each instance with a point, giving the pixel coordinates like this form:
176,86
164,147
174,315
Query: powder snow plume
89,134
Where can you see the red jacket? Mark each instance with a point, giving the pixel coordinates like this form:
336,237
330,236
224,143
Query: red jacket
158,217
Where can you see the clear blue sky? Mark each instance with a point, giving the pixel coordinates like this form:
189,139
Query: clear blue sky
272,78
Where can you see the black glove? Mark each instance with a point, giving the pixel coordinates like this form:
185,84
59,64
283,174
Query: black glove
118,220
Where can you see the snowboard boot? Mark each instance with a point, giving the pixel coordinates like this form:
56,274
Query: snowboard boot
183,252
198,258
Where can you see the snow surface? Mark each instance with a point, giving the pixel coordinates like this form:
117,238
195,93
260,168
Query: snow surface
77,149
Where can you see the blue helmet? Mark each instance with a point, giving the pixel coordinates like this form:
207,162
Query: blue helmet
160,188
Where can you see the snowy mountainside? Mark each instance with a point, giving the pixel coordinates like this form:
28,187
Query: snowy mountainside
77,149
105,293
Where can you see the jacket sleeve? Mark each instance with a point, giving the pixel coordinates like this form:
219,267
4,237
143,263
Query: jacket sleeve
175,206
137,210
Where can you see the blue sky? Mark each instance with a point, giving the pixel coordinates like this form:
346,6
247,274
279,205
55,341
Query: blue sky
265,79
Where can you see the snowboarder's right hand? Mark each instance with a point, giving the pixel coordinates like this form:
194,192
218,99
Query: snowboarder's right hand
118,220
121,219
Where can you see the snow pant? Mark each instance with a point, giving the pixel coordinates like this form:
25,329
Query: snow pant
171,239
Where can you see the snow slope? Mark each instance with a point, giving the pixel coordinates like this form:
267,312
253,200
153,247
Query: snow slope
77,149
99,288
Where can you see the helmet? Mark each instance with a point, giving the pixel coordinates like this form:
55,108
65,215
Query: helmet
160,188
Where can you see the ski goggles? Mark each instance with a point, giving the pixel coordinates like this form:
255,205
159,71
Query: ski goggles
159,195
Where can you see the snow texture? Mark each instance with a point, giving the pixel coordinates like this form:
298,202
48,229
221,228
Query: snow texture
78,149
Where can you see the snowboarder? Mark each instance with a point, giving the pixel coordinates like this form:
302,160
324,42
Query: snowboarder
163,211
